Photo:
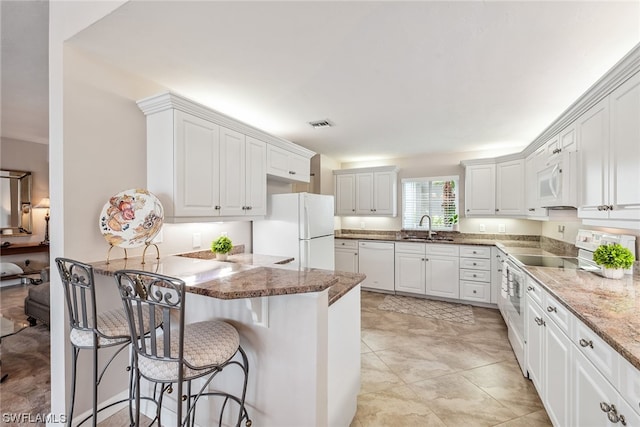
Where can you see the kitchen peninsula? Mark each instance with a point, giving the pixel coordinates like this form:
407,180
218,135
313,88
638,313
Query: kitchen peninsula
300,329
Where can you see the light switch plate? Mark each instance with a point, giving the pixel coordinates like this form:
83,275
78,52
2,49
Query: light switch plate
502,228
197,240
482,228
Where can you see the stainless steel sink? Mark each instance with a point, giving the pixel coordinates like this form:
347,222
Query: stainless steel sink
427,239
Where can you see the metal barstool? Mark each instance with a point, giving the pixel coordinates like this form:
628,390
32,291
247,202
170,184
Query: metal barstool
92,331
183,353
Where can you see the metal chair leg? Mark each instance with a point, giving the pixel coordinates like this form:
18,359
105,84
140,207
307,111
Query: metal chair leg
74,363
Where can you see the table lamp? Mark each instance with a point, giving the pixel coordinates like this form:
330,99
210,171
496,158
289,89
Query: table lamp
45,204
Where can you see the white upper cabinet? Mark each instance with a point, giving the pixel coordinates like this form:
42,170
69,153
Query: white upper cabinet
345,194
366,191
510,188
480,189
285,164
532,164
495,189
609,141
189,185
203,165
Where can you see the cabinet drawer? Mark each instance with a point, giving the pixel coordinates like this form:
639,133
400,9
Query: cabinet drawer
534,290
475,251
475,291
558,313
475,263
596,350
441,249
346,244
475,275
410,248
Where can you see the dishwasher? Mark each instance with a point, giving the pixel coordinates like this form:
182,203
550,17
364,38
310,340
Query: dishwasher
377,261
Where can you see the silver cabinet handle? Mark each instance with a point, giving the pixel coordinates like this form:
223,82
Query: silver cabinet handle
217,208
585,343
556,151
531,288
552,309
292,172
532,209
353,210
475,275
539,321
605,407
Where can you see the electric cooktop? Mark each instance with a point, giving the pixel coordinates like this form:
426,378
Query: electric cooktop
568,263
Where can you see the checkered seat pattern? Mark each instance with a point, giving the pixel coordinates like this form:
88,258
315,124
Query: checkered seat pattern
206,344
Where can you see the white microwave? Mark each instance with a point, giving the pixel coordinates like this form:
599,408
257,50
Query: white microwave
557,182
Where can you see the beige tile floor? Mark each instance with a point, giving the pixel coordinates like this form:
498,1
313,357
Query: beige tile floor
422,372
418,371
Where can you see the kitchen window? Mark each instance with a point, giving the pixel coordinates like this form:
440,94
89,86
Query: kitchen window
433,196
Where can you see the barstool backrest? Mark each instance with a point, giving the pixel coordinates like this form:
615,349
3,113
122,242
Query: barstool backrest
78,281
151,292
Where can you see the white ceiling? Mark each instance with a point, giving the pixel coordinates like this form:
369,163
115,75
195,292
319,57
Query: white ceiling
396,78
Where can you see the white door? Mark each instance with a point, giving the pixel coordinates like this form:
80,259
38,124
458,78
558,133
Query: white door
345,194
480,189
410,273
232,173
556,374
510,188
346,260
256,176
317,253
384,188
197,182
442,276
376,260
364,193
316,215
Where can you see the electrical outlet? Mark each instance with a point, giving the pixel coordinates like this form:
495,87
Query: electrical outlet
502,228
561,229
197,240
482,228
362,225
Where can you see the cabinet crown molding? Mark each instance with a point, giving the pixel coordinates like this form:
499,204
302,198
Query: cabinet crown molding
366,170
168,100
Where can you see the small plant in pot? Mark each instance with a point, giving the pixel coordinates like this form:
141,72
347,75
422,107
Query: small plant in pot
221,246
614,259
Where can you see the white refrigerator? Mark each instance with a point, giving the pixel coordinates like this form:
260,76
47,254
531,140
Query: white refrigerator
300,226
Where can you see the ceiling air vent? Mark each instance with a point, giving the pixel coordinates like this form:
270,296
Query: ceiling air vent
321,124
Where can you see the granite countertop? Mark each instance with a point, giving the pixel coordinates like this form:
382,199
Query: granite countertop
445,238
237,277
611,308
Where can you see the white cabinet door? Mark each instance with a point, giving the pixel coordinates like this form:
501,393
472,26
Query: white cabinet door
384,195
532,164
285,164
364,194
345,194
256,176
590,390
557,374
442,276
593,136
480,189
624,164
510,188
197,185
346,259
535,343
232,173
410,273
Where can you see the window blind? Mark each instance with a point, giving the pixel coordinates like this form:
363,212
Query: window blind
433,196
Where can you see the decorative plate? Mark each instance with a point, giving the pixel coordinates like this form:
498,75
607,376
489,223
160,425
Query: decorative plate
131,218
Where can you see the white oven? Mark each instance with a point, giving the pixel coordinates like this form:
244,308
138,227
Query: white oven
557,182
512,295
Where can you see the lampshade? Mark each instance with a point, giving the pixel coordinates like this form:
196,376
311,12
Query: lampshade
44,203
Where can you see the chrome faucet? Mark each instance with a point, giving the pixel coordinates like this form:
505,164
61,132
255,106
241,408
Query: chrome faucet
429,233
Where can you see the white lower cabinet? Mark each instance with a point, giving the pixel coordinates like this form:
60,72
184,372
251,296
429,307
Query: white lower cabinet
427,269
581,380
376,260
595,401
346,255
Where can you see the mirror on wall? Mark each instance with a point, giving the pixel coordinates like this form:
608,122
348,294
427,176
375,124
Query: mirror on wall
15,203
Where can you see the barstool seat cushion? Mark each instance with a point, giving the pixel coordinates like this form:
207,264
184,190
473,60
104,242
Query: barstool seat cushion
206,344
113,324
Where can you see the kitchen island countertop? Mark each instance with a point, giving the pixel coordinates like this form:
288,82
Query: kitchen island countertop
241,276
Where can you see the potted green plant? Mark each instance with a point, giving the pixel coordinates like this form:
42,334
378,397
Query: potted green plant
221,246
614,259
